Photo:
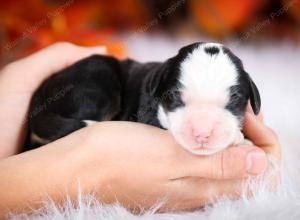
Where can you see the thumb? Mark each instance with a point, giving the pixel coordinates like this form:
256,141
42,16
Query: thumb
234,162
55,57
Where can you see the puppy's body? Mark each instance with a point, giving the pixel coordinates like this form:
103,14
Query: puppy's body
98,88
200,95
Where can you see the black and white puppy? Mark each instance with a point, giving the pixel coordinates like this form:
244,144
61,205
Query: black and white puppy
199,95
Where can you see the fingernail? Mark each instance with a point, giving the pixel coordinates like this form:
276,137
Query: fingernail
256,162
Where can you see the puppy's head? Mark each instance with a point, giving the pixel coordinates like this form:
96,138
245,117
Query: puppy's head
203,92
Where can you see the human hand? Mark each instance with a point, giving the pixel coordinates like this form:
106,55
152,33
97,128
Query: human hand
135,164
19,80
150,165
146,165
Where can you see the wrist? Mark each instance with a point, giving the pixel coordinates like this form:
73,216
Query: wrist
50,172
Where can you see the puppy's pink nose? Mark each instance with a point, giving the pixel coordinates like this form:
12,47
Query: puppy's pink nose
201,136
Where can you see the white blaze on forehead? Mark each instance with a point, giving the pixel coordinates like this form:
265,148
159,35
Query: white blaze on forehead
207,77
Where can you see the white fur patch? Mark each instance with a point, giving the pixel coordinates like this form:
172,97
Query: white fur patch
162,117
89,122
207,78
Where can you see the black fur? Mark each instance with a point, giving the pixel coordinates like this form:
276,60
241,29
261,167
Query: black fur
211,50
245,90
89,89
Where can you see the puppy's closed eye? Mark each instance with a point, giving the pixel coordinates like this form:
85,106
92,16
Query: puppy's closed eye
173,100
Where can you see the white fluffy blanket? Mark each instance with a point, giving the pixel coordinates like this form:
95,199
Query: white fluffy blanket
276,70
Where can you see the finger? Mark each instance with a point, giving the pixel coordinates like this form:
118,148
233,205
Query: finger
237,187
60,55
56,57
191,192
261,135
260,116
233,162
217,189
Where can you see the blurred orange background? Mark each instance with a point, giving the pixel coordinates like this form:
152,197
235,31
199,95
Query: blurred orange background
28,25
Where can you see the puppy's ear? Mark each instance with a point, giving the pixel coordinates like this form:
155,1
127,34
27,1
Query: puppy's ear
254,96
157,79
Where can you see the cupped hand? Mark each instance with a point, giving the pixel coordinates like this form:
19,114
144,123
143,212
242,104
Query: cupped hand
144,164
140,166
19,80
135,164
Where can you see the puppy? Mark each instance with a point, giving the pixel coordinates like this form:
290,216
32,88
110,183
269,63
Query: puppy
199,95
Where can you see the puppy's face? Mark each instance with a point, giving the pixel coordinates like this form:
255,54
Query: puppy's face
203,93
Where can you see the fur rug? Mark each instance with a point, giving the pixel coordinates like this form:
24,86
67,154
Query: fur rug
276,72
